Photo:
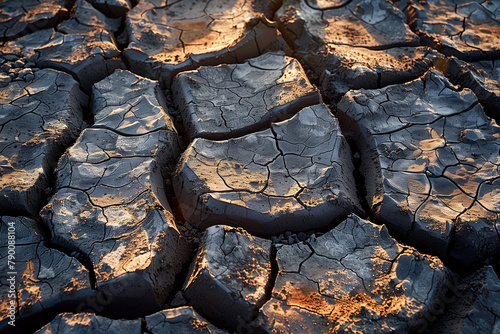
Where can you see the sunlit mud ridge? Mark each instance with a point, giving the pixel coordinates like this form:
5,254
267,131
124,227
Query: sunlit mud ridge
265,166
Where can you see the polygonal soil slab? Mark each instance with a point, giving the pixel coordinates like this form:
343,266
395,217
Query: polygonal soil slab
88,323
354,279
89,56
229,278
430,160
462,28
353,44
178,320
374,24
23,47
44,281
83,46
38,118
347,67
295,176
483,77
167,39
131,105
474,305
110,205
18,19
232,100
86,18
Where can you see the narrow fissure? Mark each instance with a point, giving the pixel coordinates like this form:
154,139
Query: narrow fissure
360,181
179,281
167,174
251,326
144,327
274,274
88,115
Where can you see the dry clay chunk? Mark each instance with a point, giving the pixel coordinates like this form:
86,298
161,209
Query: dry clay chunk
89,55
295,176
85,18
38,118
23,47
353,279
130,105
346,67
373,24
431,161
232,100
167,39
110,205
21,18
475,305
467,29
88,323
45,281
354,44
179,321
230,275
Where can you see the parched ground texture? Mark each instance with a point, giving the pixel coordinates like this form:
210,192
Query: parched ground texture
264,166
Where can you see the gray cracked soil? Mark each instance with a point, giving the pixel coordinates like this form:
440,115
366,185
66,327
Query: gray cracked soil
281,166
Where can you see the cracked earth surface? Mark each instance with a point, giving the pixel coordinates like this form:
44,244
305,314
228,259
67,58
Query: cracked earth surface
280,166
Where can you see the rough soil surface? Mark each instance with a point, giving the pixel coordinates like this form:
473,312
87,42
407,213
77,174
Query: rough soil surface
18,20
229,276
482,77
249,166
420,146
39,117
165,39
354,278
353,44
175,320
47,280
233,100
296,175
109,204
465,29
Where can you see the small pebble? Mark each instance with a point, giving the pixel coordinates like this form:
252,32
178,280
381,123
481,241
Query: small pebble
5,67
302,236
18,63
29,77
